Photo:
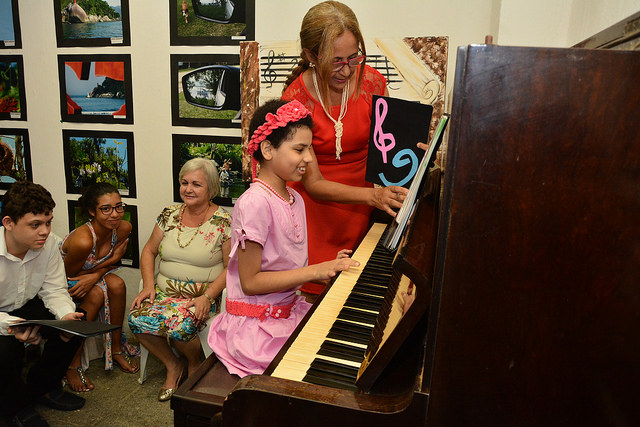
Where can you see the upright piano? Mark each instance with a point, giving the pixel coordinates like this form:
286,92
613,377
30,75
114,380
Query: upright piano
526,270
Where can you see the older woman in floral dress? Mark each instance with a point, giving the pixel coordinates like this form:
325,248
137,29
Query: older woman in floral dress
192,241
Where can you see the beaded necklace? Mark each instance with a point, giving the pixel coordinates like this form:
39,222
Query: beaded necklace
337,124
180,225
290,201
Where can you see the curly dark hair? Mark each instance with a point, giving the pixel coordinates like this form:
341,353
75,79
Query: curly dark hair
25,197
88,201
280,134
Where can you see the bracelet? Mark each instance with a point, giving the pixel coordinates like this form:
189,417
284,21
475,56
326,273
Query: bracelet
211,300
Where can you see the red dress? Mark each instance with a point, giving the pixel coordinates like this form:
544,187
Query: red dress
335,226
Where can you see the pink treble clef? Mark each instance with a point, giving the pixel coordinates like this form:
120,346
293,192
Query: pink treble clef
380,137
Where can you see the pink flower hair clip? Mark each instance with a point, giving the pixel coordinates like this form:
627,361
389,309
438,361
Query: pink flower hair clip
290,112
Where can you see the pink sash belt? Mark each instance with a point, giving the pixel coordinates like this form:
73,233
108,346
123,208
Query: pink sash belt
261,311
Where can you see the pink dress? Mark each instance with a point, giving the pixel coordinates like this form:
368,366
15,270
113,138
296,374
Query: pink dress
244,344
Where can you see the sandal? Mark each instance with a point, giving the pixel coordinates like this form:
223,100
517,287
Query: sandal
126,357
83,379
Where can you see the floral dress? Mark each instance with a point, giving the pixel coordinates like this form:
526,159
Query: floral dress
190,259
91,262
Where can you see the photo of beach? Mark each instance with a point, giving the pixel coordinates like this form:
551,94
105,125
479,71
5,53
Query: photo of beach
92,22
95,88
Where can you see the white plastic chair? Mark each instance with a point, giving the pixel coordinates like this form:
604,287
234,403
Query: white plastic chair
203,335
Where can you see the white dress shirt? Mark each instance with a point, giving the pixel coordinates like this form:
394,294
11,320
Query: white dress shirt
41,272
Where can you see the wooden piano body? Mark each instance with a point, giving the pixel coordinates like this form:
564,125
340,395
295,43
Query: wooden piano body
534,284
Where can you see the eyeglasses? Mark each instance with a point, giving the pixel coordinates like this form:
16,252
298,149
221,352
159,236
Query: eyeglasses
353,62
107,209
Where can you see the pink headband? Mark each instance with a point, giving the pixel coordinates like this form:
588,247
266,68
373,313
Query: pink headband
290,112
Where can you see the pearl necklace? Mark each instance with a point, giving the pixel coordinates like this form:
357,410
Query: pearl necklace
337,124
180,225
290,201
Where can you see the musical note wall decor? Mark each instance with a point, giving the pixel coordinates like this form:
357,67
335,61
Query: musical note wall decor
397,126
415,69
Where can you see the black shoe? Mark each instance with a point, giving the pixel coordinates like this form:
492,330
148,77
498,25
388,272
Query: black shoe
28,417
62,400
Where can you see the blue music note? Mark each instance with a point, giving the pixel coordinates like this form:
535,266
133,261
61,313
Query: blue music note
402,158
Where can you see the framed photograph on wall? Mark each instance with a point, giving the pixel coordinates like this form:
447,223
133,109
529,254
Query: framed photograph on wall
91,23
131,257
10,37
15,156
13,102
99,156
211,22
95,88
226,153
205,90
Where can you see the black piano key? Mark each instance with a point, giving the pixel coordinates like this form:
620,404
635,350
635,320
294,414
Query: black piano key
358,301
368,297
342,351
375,280
319,378
354,315
365,288
352,327
383,270
334,371
350,332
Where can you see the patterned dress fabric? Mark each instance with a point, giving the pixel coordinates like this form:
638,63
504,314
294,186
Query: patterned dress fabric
183,273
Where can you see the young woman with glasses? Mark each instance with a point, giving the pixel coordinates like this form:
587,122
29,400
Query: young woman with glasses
333,81
90,254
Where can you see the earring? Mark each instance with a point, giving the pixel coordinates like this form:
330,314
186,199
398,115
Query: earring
311,64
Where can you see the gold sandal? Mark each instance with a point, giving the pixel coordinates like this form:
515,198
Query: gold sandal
129,361
83,379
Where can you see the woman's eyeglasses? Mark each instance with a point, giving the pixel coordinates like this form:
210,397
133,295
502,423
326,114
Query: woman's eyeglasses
352,63
107,209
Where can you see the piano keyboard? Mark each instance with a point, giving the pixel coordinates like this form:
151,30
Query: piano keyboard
330,348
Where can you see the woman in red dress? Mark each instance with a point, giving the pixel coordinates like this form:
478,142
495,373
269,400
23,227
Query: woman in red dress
333,81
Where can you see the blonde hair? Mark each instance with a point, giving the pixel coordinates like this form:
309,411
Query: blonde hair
210,172
321,26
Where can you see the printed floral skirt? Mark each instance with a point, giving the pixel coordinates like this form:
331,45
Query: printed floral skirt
168,317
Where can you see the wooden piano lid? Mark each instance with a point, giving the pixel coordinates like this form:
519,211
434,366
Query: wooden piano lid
539,316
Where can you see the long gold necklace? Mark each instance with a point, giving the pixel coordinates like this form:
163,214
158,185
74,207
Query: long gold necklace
180,225
337,124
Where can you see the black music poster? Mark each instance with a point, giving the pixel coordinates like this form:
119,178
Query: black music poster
397,126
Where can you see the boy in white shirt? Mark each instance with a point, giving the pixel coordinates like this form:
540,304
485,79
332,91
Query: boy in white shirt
33,285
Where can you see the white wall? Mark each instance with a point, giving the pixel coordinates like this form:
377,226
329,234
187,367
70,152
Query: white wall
464,21
589,17
559,23
534,23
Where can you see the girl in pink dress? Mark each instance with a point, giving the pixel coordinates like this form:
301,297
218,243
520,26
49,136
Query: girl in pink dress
268,261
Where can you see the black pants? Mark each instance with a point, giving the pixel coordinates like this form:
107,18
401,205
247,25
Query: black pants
47,372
